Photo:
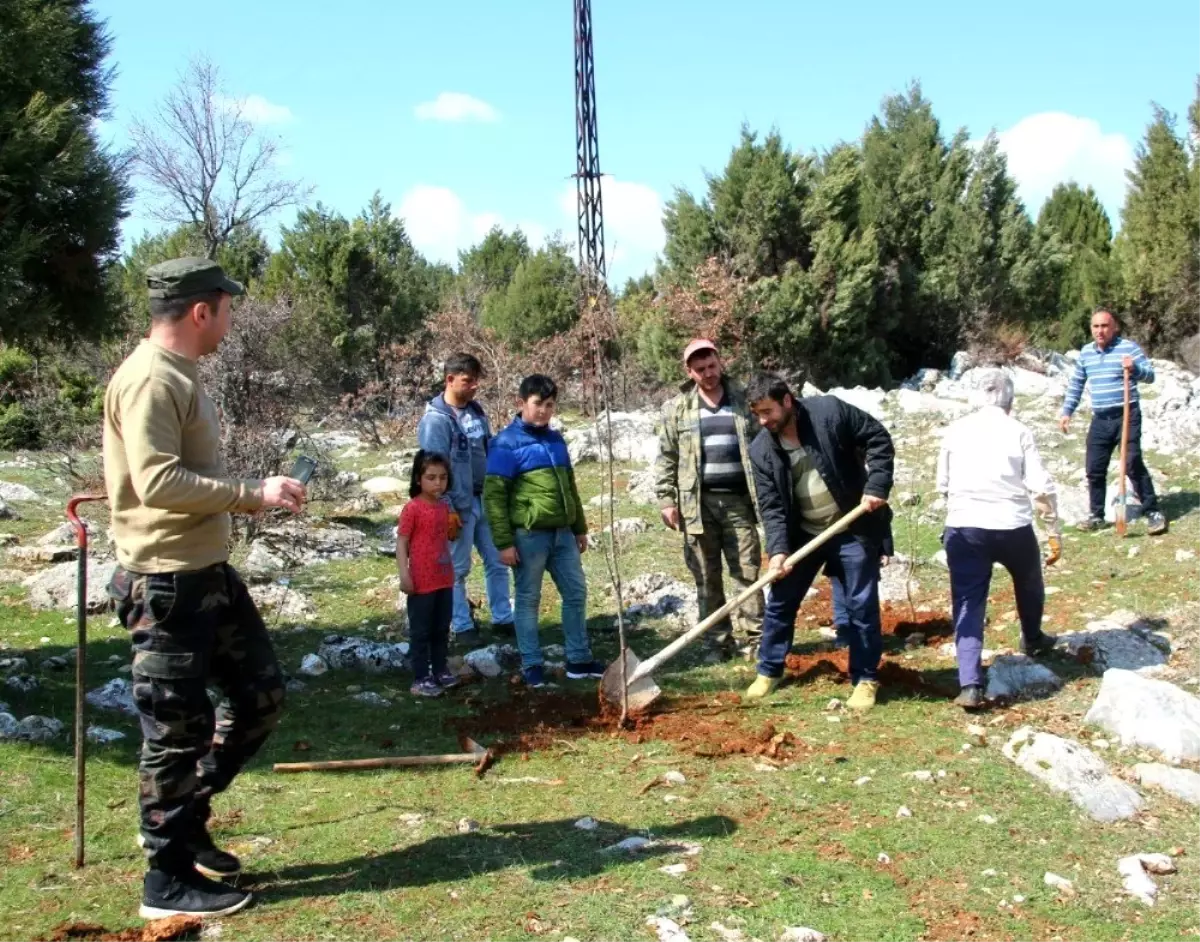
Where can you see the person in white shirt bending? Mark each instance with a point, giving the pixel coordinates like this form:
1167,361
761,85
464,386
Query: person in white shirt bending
988,470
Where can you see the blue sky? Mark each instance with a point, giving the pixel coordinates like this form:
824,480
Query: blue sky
462,113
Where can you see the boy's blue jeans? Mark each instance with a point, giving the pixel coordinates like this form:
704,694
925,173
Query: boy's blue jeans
556,552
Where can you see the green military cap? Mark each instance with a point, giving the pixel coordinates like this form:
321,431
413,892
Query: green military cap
188,277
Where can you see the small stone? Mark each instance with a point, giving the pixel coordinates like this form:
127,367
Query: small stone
989,872
1059,883
986,819
353,688
630,845
679,908
801,934
1183,556
1134,551
313,665
674,870
1018,898
101,735
467,826
371,698
883,858
859,782
834,704
833,719
673,778
903,812
587,824
921,775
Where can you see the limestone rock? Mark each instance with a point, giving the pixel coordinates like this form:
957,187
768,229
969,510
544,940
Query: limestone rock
14,493
55,588
1184,784
313,665
117,694
493,660
353,653
1106,644
641,487
385,485
1068,767
1018,677
633,438
32,728
1153,714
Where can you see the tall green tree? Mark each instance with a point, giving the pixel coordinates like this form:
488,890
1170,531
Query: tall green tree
490,266
62,193
913,184
357,286
827,318
540,301
1156,250
1076,218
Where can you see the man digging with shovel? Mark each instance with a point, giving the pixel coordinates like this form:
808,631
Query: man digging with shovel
809,472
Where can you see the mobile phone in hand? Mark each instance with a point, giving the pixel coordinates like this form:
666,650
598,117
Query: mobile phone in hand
303,469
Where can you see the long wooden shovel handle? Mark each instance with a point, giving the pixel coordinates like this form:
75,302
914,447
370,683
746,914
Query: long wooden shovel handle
1121,498
384,762
648,666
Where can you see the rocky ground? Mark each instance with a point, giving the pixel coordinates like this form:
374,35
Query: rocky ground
1066,810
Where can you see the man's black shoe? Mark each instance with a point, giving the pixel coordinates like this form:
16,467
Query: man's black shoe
970,698
1156,523
210,859
505,629
190,894
1043,645
467,639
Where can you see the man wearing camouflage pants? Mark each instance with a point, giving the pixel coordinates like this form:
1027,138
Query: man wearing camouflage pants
190,617
705,487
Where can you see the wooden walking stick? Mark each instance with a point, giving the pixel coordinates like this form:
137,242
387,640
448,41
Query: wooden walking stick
81,539
1124,468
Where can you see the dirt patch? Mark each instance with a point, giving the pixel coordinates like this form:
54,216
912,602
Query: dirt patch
158,930
836,664
898,619
704,725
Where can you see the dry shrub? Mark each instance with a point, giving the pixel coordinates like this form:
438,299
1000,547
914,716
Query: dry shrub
1001,345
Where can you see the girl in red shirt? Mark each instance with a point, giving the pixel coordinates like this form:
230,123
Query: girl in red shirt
427,573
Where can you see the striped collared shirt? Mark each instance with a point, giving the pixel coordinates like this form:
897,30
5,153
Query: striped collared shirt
1101,370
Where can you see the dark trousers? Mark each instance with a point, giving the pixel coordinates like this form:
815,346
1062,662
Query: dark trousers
1104,435
970,554
429,631
190,628
855,570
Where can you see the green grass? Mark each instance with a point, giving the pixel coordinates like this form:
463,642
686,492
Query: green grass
378,854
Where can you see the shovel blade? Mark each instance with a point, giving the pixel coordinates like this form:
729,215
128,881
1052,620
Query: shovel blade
642,692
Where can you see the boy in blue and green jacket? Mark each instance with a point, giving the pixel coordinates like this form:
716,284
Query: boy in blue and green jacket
538,524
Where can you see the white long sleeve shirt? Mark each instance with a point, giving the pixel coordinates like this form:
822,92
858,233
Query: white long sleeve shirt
988,471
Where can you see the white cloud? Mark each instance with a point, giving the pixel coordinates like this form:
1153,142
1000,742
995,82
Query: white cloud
456,106
633,230
440,224
257,110
1052,147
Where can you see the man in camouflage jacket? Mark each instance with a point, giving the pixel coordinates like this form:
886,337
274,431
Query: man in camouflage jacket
705,488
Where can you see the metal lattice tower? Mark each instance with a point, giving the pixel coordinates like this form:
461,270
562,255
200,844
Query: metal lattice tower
589,206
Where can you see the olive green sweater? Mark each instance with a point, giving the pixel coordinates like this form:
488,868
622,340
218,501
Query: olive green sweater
167,490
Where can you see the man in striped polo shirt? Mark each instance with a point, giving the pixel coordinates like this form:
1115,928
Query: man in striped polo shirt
705,487
1101,366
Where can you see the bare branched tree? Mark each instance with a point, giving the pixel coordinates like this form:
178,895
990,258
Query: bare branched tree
209,164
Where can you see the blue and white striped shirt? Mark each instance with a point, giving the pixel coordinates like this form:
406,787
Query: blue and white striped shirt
1102,370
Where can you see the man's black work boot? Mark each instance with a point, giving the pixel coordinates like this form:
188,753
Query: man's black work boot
188,894
970,698
1043,645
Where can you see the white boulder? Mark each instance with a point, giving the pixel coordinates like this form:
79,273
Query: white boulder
1068,767
1153,714
1184,784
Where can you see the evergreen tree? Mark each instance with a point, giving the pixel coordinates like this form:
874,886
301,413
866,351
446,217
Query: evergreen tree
62,194
1075,217
1156,250
540,301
